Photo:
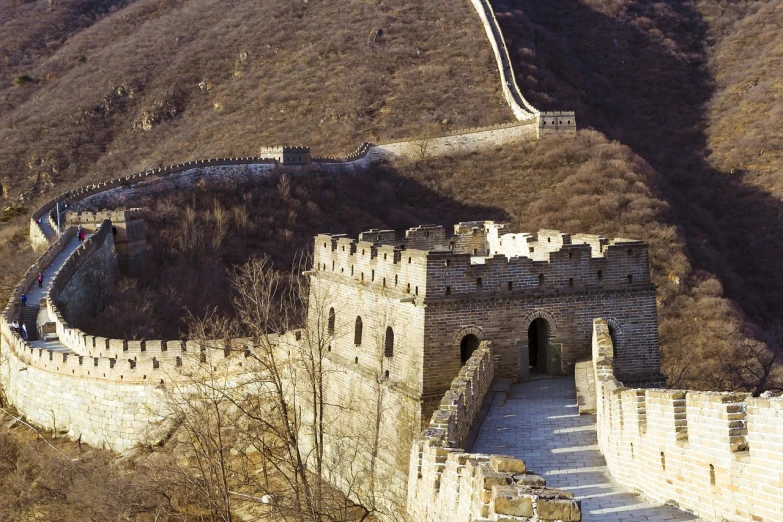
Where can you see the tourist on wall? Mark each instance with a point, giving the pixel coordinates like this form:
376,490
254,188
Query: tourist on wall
15,326
24,331
23,299
40,280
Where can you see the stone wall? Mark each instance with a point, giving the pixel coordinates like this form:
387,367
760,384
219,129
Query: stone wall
567,281
446,483
461,142
373,369
556,123
128,231
719,455
86,280
103,402
521,108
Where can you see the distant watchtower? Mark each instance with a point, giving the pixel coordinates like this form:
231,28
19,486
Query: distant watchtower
288,156
130,241
437,295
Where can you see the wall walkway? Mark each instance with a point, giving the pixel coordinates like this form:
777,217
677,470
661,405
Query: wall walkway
540,423
35,295
447,483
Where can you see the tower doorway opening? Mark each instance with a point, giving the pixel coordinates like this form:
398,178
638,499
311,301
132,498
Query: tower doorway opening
538,345
467,346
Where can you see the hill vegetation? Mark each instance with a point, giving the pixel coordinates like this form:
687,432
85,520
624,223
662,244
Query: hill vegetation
588,184
674,81
120,86
93,88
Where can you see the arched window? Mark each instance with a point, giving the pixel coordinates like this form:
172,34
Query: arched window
331,321
388,349
479,284
357,332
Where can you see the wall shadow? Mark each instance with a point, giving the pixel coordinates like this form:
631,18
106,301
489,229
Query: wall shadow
187,266
638,73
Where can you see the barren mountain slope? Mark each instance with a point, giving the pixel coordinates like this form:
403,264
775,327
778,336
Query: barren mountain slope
662,77
157,82
745,116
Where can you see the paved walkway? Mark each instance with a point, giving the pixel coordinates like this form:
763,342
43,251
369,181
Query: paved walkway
540,424
34,295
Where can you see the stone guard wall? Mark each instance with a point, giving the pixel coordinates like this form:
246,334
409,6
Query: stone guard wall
446,483
719,455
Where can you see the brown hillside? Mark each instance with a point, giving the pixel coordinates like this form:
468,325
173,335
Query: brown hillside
587,185
745,131
117,89
657,77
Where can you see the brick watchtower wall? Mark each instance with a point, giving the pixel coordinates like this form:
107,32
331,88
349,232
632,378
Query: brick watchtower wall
499,298
128,231
439,293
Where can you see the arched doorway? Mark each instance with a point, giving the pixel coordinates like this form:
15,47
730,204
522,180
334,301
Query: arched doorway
467,346
538,346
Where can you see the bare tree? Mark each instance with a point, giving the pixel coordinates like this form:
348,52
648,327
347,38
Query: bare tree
254,410
201,405
422,147
220,219
756,366
242,222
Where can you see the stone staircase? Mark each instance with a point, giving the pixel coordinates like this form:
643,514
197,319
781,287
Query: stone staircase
29,315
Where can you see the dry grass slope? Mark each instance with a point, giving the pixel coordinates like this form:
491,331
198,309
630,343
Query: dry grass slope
131,85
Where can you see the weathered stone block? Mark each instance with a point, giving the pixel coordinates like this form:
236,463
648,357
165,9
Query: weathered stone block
508,501
558,509
506,464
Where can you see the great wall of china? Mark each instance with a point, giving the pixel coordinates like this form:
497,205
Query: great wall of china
715,454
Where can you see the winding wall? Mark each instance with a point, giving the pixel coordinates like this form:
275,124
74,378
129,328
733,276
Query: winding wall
719,455
107,392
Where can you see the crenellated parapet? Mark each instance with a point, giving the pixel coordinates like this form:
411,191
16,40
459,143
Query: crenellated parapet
717,454
447,483
482,259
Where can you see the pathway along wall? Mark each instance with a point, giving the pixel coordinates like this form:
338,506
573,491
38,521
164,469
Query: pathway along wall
102,402
719,455
447,483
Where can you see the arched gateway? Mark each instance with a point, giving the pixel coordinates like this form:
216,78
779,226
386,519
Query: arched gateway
537,353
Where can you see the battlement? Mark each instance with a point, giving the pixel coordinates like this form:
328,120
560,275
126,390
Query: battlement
286,155
73,218
716,454
481,258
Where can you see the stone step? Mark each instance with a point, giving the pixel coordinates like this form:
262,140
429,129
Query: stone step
29,315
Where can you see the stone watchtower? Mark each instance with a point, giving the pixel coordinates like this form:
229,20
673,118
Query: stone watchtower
288,156
414,308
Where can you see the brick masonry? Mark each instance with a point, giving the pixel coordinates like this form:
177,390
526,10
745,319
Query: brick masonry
447,483
719,455
435,289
